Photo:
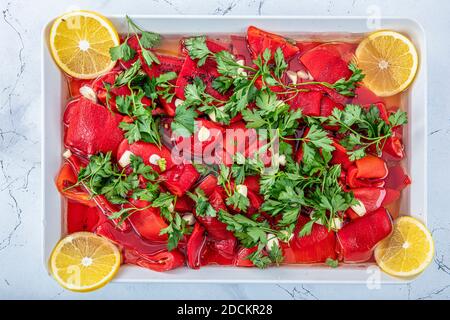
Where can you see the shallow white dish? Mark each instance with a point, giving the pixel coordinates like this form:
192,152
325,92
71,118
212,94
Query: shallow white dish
414,199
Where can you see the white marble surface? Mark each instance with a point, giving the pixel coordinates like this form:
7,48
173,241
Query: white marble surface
21,271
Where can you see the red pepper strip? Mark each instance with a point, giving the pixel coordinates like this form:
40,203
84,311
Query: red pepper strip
179,179
260,40
354,182
340,156
357,239
371,167
372,198
241,259
316,247
81,217
147,222
196,247
67,178
148,254
102,203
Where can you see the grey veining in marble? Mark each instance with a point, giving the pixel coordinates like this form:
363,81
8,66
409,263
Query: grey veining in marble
21,271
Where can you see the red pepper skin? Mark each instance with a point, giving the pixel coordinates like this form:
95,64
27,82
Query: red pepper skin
357,239
208,184
179,179
259,40
340,156
372,198
148,222
316,247
145,150
196,247
81,217
67,178
371,167
91,128
241,259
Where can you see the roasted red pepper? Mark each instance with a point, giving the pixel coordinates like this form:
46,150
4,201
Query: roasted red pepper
241,259
260,40
340,156
91,128
371,198
309,102
150,154
81,217
316,247
207,73
196,247
179,179
148,254
357,239
325,63
208,184
147,220
371,167
64,183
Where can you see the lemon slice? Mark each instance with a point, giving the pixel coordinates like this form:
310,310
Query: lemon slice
80,43
84,262
408,251
389,60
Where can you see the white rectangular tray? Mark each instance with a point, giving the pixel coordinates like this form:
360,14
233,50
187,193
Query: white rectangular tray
414,203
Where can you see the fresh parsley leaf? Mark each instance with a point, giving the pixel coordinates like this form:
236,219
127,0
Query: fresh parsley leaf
203,207
197,49
122,51
183,123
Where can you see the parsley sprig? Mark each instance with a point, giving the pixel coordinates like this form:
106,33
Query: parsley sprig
364,128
